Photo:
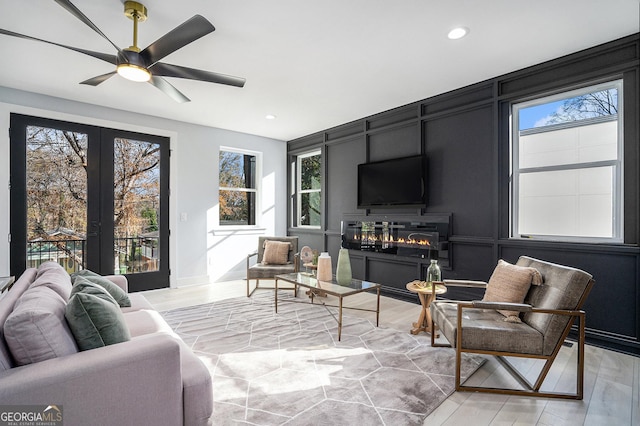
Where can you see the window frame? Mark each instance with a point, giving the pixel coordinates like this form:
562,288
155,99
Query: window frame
258,172
299,191
617,164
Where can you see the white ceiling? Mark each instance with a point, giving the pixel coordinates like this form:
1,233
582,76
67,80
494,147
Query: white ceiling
313,64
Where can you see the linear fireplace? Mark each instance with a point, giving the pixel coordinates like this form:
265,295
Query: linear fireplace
426,238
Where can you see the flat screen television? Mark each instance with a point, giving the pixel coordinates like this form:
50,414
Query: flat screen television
399,182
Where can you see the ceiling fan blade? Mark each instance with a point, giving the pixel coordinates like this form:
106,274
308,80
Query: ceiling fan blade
168,89
71,8
185,33
169,70
112,59
98,79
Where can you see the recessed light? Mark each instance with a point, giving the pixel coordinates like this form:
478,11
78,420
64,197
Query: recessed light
270,117
458,33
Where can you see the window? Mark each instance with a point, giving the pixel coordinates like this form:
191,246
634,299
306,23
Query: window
567,165
308,196
238,191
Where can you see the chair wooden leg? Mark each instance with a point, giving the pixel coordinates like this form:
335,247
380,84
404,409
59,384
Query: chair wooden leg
433,338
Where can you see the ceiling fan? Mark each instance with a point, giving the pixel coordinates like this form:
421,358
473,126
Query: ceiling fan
144,65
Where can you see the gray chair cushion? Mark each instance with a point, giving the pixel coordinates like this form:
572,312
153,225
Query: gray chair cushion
268,271
486,330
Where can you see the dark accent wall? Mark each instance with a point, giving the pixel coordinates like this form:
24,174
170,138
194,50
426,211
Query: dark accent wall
465,136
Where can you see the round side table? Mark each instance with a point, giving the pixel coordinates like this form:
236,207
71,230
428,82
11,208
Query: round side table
426,295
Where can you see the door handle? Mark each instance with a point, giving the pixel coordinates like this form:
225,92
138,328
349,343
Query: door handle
94,229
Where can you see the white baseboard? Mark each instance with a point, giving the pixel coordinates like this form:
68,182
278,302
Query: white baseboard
192,281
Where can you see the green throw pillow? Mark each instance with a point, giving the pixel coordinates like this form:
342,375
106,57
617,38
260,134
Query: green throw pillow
116,292
95,319
83,273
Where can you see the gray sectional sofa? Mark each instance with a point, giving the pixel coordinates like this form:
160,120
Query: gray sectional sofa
150,378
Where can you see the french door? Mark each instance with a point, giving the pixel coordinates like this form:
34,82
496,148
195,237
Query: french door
89,198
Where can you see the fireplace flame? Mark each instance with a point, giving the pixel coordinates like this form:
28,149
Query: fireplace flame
401,241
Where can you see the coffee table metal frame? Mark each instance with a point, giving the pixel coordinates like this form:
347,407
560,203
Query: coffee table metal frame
306,280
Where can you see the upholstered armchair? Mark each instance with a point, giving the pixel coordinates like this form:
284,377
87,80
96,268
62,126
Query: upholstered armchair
275,255
527,311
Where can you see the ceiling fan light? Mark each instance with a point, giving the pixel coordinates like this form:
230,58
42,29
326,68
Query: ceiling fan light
134,72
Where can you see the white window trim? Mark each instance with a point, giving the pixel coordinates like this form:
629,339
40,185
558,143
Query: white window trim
300,191
618,164
256,190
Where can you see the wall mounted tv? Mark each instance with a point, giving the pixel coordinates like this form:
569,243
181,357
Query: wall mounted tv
398,182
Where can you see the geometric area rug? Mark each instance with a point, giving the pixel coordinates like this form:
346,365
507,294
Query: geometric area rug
289,368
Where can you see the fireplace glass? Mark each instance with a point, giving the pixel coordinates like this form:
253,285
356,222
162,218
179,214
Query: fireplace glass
425,240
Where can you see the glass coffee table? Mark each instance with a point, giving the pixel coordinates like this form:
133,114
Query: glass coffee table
308,281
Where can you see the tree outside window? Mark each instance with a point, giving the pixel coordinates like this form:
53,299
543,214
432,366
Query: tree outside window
237,199
309,189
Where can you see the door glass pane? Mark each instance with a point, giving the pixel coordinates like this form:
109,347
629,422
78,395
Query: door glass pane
56,197
136,206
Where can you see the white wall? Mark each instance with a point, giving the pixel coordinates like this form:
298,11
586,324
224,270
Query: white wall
200,252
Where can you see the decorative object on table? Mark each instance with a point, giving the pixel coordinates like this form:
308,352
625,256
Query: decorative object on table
306,257
324,267
427,292
433,272
343,268
332,383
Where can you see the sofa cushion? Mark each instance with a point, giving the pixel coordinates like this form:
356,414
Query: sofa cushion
138,302
276,252
8,300
146,321
36,330
510,283
95,319
81,281
52,275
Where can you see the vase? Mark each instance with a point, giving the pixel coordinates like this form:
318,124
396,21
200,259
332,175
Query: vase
433,272
343,268
324,267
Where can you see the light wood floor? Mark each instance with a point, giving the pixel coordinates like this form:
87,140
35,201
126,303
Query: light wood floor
612,380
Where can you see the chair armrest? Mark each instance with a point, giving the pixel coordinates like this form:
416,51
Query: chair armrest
465,283
119,280
106,386
520,307
249,256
